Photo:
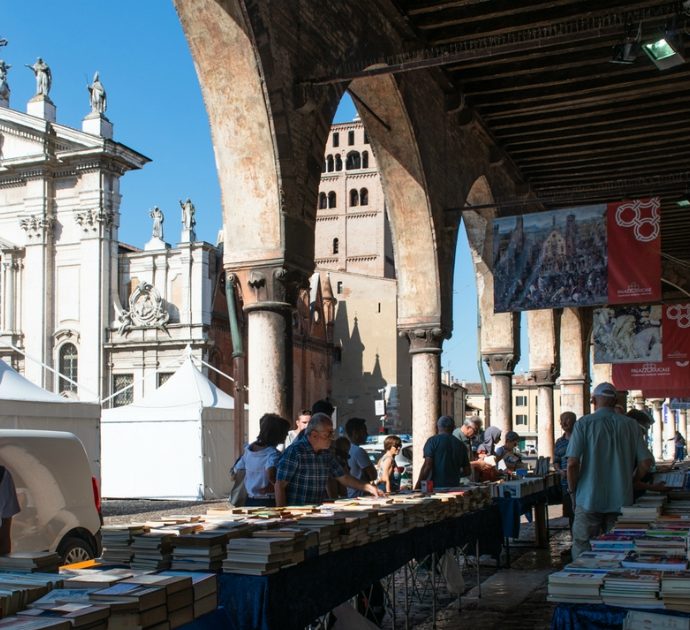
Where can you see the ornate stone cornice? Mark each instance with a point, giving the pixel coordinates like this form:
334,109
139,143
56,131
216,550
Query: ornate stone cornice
37,225
427,340
500,363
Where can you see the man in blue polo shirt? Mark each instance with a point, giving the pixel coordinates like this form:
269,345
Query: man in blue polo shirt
445,457
307,465
604,450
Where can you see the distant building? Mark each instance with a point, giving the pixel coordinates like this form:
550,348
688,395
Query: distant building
353,245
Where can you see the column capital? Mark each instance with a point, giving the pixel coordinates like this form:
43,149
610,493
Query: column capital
657,403
429,339
574,379
544,376
268,287
500,363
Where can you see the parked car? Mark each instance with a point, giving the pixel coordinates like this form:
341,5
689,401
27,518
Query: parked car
403,460
58,495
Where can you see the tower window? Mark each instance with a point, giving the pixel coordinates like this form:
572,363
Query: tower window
331,199
336,139
350,137
339,286
353,161
323,201
365,159
336,244
354,198
363,197
338,162
329,164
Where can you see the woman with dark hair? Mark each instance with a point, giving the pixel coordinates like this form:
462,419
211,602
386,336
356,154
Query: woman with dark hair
389,476
260,459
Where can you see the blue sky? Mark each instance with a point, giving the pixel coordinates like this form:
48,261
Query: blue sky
155,104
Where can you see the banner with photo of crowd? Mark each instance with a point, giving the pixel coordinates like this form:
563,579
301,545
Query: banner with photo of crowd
668,376
583,256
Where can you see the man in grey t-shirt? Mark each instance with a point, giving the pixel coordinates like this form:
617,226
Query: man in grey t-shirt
605,453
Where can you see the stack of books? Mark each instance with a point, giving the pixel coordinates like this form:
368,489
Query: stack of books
675,590
205,588
84,616
179,592
597,562
661,543
575,587
23,623
632,588
264,554
152,551
117,540
33,561
133,605
202,551
612,542
658,562
96,579
18,590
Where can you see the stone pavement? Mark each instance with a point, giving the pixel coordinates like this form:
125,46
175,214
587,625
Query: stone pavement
512,599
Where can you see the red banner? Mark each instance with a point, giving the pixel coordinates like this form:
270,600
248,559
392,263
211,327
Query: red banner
675,329
634,244
668,377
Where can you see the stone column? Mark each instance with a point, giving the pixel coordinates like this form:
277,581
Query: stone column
546,424
657,429
501,366
574,354
669,433
269,294
638,400
425,351
602,373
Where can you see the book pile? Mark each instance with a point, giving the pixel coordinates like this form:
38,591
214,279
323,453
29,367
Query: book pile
132,605
662,543
22,623
179,595
152,550
672,478
612,542
32,561
658,562
328,525
202,551
265,552
18,590
638,515
89,578
632,588
575,587
205,588
675,590
117,540
83,615
518,488
597,562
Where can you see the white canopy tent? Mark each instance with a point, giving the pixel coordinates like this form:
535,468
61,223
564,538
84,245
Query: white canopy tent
176,443
24,405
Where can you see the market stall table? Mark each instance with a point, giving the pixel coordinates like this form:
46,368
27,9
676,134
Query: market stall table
512,508
597,616
294,597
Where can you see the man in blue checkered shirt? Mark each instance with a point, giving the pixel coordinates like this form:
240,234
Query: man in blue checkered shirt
307,465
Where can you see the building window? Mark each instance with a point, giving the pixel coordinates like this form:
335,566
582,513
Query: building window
339,286
336,243
331,199
521,419
520,401
365,159
329,163
353,161
123,383
350,137
323,201
336,139
363,197
68,367
338,163
163,377
354,198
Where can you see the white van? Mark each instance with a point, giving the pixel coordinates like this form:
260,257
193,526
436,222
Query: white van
58,496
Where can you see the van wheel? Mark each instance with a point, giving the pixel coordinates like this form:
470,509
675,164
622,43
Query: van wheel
73,549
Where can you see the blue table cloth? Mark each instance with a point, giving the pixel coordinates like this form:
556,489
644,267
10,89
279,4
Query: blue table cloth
595,616
294,597
513,508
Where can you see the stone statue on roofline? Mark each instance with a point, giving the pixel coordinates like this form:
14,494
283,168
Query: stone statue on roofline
97,96
157,215
44,78
4,85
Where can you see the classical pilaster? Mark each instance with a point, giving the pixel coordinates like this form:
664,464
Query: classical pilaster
546,438
501,366
657,429
269,294
602,373
425,351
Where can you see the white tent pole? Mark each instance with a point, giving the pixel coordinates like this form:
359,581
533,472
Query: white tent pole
210,367
47,367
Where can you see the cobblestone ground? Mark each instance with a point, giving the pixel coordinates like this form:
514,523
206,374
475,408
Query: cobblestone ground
517,608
